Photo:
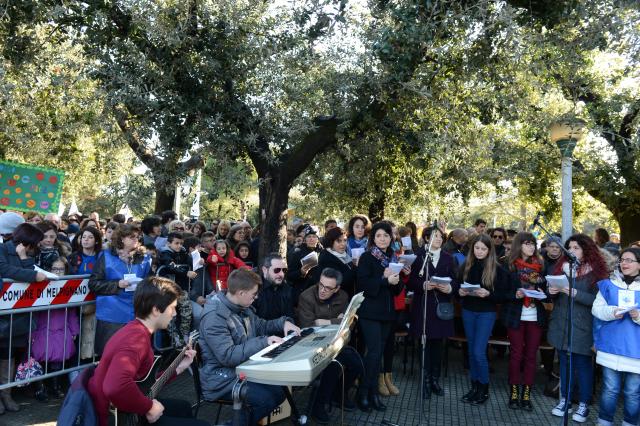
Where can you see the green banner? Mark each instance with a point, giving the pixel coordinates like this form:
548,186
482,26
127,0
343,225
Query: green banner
30,188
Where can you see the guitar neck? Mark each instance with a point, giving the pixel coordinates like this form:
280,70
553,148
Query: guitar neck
166,375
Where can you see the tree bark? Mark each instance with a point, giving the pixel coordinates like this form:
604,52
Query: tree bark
274,202
165,195
629,222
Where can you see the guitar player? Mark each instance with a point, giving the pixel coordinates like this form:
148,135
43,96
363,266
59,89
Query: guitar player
230,333
128,356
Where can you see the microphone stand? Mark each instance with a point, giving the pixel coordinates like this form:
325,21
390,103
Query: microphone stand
428,257
573,268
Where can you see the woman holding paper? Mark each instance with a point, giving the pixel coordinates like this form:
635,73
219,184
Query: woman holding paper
617,338
437,278
591,269
357,231
378,276
485,284
114,279
335,256
524,316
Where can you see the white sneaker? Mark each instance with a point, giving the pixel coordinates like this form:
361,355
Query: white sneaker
581,413
558,410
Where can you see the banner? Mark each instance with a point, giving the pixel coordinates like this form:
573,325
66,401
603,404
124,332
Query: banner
30,188
44,293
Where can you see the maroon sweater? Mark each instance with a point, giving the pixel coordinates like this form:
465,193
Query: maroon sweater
127,357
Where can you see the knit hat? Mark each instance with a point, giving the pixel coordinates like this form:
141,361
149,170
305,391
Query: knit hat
308,230
9,221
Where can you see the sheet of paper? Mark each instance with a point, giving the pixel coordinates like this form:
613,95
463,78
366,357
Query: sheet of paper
407,259
534,294
406,242
195,256
311,259
441,280
470,288
133,280
396,267
628,309
356,252
557,281
626,298
48,274
160,242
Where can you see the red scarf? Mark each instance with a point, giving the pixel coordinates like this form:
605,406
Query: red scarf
529,273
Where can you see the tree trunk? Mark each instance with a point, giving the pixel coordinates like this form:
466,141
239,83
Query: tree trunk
629,222
274,202
165,195
376,208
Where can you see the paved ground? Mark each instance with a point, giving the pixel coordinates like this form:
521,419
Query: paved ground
402,410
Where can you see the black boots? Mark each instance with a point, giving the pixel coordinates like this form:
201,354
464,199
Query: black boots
525,400
375,401
514,397
472,392
481,395
362,399
435,387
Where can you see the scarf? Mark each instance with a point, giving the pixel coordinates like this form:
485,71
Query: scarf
529,273
435,257
344,257
382,257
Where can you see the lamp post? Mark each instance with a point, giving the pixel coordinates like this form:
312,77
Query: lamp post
566,134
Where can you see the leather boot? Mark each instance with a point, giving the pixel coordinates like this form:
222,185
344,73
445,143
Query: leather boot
41,392
362,399
467,397
388,380
376,401
435,386
514,397
427,388
482,395
382,386
55,388
6,373
525,400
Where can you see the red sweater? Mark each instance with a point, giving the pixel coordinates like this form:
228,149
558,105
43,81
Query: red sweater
220,269
127,357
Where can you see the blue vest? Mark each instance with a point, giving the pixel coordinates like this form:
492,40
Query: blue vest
620,336
118,308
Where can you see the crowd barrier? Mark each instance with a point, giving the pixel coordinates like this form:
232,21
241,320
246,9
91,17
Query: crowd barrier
26,307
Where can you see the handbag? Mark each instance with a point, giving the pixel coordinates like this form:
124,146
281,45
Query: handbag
444,310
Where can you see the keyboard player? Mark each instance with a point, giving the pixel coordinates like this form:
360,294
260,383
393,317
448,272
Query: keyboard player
324,304
230,332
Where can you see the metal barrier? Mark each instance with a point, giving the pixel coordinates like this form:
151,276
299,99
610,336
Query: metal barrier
18,300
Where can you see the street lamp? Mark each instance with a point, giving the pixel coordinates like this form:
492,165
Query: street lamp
566,134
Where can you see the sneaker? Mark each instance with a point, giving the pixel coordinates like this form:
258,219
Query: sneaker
581,413
558,410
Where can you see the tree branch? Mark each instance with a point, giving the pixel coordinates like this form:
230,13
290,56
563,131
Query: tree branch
134,141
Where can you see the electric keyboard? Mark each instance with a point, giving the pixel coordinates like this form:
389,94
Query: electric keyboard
298,360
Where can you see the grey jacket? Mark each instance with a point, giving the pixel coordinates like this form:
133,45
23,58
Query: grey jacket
582,319
225,342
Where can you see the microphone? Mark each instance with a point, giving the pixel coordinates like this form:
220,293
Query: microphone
536,221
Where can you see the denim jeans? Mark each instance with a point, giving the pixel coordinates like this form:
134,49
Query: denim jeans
582,373
477,328
611,386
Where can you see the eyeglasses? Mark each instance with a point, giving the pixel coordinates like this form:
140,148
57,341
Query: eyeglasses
627,260
178,228
326,288
278,270
528,243
58,270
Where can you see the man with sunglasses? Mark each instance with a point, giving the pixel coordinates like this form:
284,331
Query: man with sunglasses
498,236
324,304
276,298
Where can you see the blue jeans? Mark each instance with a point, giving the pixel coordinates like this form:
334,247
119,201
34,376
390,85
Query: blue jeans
612,383
477,328
262,399
582,373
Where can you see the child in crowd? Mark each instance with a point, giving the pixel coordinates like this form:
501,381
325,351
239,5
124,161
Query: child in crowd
222,260
53,340
243,251
201,285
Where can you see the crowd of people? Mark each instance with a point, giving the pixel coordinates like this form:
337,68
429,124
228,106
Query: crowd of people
162,272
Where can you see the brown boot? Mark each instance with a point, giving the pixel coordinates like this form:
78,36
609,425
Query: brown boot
388,380
6,373
382,386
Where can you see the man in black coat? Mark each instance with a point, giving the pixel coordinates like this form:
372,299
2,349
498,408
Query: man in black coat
275,298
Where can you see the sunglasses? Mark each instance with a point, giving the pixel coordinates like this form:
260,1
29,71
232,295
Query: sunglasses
278,270
498,237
